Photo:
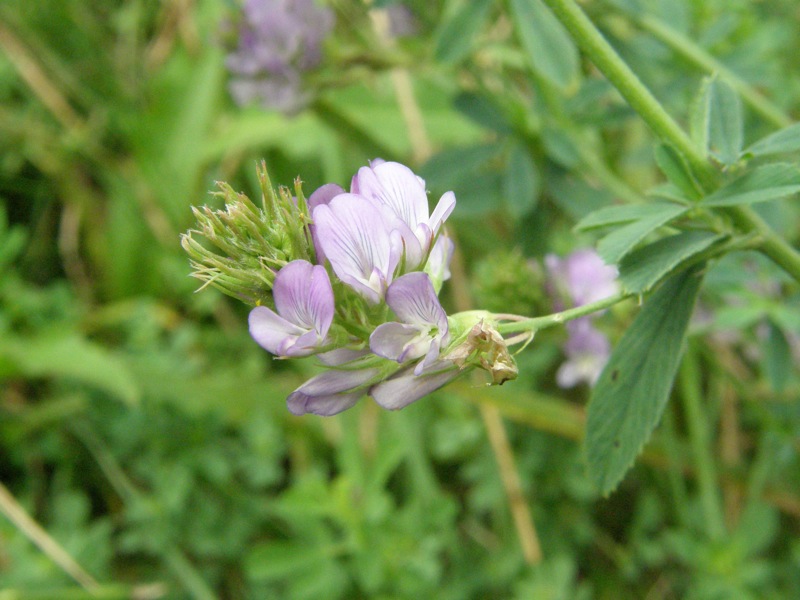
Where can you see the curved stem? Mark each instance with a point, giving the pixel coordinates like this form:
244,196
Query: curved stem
537,323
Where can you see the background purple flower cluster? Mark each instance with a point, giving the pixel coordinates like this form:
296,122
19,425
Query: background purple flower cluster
576,280
277,41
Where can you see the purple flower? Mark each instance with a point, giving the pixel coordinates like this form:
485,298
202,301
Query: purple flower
277,41
359,240
423,328
395,186
587,351
408,386
582,277
304,302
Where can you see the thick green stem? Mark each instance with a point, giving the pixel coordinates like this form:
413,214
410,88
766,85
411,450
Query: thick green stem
535,324
592,42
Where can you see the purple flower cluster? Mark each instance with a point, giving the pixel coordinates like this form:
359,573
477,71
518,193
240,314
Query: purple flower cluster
374,317
277,41
578,279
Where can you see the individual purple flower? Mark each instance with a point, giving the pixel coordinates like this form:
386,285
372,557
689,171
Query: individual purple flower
396,187
277,41
304,303
582,277
360,241
587,351
407,386
422,330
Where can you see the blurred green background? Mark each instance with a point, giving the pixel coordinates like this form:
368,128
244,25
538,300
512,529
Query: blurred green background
145,432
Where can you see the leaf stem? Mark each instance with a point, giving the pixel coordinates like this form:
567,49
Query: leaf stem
535,324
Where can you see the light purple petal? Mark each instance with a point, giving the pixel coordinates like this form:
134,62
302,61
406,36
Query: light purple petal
414,301
356,238
322,195
438,266
443,209
406,387
395,186
399,341
304,296
581,278
330,392
270,330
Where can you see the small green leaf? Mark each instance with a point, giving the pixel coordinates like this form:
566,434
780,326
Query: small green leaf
522,182
777,361
676,171
621,241
785,140
550,49
716,122
482,111
624,213
644,267
459,32
633,389
767,182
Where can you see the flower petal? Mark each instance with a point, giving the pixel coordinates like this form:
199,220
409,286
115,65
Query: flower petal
399,341
304,296
270,330
405,387
322,195
395,186
414,301
356,238
330,392
443,209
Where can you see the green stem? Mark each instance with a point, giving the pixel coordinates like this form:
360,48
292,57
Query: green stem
700,440
592,42
708,63
535,324
772,245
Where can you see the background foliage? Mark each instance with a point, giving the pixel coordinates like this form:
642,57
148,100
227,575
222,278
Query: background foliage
147,435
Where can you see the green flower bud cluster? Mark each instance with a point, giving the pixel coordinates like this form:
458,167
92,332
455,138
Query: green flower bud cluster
243,246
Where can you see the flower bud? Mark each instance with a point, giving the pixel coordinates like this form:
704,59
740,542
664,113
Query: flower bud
245,246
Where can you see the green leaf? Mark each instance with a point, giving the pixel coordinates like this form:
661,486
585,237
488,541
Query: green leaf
71,357
767,182
633,389
624,213
676,171
723,121
550,50
459,32
777,361
644,267
621,241
522,182
785,140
